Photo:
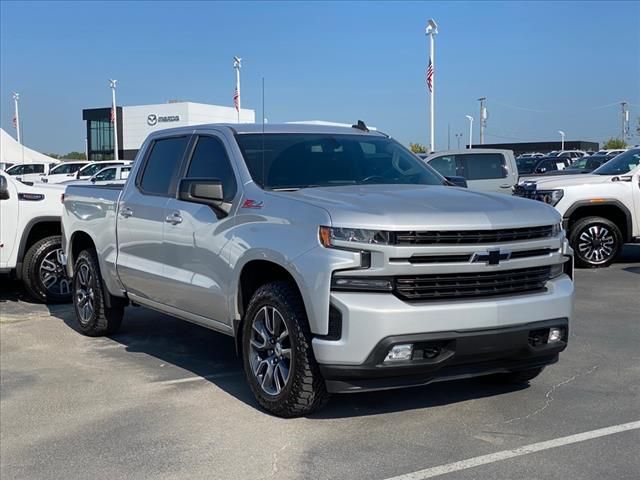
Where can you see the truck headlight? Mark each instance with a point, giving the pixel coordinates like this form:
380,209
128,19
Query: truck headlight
328,235
550,197
557,230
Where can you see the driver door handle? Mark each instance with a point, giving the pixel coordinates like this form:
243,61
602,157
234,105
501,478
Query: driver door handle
126,212
505,185
174,218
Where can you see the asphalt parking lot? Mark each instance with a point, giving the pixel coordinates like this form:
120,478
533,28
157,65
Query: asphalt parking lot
166,399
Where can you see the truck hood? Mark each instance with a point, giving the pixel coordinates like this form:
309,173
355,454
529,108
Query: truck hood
552,183
400,207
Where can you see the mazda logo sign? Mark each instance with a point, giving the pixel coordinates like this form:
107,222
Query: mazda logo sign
152,119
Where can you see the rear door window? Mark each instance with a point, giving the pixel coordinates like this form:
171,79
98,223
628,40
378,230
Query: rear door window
159,174
482,166
445,165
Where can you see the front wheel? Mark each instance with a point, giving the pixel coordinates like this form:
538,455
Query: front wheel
92,314
43,274
596,242
278,357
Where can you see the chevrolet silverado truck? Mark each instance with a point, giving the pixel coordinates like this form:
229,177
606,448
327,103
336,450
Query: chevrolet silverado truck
30,243
335,257
600,211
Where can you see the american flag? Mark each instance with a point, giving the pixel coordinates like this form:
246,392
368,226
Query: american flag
236,98
15,122
430,76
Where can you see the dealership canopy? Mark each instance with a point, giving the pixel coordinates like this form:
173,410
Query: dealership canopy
12,152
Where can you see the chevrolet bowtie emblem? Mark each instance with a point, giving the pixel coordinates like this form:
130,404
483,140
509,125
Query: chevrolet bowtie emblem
491,257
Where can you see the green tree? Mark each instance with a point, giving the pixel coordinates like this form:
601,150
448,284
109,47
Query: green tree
417,148
613,143
75,156
53,155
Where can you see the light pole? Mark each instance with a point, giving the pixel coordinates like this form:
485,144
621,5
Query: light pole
458,137
625,121
470,118
483,118
562,138
114,118
16,118
237,64
431,31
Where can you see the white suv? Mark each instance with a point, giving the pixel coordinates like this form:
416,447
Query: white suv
601,210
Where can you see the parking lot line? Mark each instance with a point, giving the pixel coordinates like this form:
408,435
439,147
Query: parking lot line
202,377
516,452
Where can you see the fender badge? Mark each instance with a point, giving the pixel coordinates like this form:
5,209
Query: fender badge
252,204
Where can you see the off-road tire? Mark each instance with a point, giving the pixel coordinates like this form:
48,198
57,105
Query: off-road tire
522,376
305,390
574,240
31,271
104,320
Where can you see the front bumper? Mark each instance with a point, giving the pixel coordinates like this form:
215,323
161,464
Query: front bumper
369,318
459,355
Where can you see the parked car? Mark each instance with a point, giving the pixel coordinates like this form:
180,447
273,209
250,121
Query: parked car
601,210
92,168
336,258
586,164
486,170
530,155
63,171
612,151
542,166
571,154
30,172
30,245
117,174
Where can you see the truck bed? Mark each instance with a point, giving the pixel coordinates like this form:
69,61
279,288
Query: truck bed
92,210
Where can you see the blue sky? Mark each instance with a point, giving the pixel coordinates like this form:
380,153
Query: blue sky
543,66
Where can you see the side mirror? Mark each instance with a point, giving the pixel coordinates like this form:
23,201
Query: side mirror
456,181
93,179
207,191
4,189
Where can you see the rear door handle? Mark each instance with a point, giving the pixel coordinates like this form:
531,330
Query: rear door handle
505,185
174,218
126,212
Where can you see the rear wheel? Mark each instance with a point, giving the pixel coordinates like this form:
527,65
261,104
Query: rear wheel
43,274
278,357
92,314
596,242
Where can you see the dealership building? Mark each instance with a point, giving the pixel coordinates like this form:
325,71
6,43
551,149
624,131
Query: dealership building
136,122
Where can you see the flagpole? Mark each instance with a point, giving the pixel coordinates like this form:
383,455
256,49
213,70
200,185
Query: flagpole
432,30
114,116
16,97
237,64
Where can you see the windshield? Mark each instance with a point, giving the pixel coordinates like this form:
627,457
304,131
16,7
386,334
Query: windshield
92,169
526,165
66,168
294,160
623,163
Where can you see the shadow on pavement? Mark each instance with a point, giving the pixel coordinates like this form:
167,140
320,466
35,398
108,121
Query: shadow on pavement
212,356
630,254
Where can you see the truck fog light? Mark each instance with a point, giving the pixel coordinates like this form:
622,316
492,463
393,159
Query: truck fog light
555,335
400,352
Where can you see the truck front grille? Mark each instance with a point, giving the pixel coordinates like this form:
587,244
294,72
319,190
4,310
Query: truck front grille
465,285
457,237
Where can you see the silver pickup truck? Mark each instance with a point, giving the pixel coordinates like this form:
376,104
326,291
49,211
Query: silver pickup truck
335,257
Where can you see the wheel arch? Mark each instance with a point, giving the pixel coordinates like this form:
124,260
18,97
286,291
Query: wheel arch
78,242
612,210
252,275
36,229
